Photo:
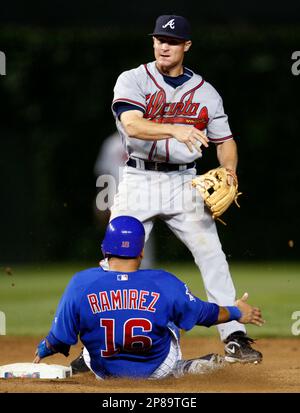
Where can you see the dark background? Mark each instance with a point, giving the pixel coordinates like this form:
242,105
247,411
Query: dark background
63,58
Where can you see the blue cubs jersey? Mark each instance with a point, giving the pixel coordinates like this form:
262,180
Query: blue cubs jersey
122,318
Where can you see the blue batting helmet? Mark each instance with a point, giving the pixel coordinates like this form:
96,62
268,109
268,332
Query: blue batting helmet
124,237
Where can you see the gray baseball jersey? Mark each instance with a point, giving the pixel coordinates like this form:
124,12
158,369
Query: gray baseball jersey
195,103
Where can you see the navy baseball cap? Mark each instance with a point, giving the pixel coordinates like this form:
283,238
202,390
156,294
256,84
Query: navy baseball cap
172,26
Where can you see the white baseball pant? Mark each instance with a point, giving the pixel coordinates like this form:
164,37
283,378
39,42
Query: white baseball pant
170,197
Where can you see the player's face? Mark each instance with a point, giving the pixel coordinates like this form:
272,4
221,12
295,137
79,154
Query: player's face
169,52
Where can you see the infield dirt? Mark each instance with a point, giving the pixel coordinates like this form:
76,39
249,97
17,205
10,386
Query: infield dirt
279,371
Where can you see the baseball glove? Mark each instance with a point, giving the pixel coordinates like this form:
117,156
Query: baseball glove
217,193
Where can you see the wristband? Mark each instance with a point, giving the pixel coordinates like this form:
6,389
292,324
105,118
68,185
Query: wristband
43,350
56,345
234,313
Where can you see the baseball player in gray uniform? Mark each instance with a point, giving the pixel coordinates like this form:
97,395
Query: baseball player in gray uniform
166,113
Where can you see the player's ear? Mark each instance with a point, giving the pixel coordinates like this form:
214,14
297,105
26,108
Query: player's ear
187,45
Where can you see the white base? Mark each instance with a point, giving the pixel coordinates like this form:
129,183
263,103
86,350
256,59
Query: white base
35,371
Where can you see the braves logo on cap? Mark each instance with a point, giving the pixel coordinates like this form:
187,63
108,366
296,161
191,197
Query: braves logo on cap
174,26
170,23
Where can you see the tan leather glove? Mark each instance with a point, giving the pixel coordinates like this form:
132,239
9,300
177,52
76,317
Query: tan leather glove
217,193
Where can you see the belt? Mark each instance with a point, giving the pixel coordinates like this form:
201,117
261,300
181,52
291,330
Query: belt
159,166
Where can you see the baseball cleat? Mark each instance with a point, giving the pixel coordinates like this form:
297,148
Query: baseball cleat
238,349
78,365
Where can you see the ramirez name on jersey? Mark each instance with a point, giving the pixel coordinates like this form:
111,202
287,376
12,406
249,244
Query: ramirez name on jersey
126,299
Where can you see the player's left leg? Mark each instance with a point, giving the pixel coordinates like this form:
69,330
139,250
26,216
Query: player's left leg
194,226
202,240
201,365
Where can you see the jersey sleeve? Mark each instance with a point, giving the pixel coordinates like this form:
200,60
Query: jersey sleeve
128,90
120,107
218,129
189,310
65,326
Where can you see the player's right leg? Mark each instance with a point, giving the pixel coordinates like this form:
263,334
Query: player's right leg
138,196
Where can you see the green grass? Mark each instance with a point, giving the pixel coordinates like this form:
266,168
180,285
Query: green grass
30,295
274,287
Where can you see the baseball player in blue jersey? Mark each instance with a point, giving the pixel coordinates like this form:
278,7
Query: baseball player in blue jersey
128,319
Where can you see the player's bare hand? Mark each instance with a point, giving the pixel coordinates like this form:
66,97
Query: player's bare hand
250,315
231,177
192,137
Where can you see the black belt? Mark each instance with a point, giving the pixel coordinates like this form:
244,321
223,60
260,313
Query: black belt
159,166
